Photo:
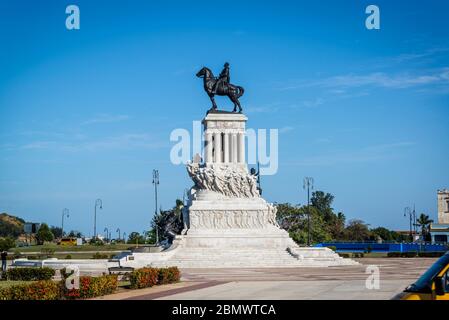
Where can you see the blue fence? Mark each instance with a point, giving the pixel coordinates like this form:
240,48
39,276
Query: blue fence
383,247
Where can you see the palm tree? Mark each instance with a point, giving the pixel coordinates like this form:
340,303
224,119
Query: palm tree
424,222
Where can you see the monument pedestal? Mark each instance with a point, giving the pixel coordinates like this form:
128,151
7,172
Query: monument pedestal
227,222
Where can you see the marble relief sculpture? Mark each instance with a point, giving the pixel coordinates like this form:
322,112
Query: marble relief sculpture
226,180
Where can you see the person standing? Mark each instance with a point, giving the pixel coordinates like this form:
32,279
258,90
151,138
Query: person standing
4,256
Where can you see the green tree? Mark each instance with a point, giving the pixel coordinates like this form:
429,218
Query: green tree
294,220
357,230
136,238
168,222
44,234
337,226
151,236
424,222
381,232
57,231
75,234
323,203
7,243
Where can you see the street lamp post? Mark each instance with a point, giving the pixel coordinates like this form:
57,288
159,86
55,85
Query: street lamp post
99,203
65,213
308,184
124,237
106,231
119,235
156,183
414,220
412,216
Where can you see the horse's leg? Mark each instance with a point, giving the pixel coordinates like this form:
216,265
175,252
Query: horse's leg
214,105
238,104
234,100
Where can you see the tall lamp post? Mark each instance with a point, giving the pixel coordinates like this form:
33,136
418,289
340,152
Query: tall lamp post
414,220
308,184
119,235
156,183
124,237
98,203
412,217
65,213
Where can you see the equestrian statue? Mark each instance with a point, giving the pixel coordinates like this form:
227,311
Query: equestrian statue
221,86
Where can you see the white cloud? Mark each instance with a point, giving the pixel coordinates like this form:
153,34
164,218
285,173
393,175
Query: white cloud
340,83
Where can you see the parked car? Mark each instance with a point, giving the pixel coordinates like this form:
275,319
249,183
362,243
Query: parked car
432,285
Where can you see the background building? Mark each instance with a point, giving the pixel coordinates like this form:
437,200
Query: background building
440,231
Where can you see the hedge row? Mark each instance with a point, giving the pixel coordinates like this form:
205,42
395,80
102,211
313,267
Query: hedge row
148,277
40,290
351,255
89,287
413,254
30,274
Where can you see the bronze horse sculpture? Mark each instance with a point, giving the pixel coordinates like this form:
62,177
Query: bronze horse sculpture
224,89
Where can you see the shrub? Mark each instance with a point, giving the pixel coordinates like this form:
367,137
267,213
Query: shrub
143,278
40,290
99,255
409,254
168,275
344,255
431,254
148,277
358,255
7,243
69,256
30,274
393,254
96,242
89,287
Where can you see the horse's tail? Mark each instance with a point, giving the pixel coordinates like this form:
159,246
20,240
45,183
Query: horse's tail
241,91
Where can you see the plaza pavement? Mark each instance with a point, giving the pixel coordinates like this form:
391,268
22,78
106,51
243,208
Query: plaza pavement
347,282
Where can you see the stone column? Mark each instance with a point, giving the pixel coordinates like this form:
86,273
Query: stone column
226,147
217,147
234,148
241,147
208,148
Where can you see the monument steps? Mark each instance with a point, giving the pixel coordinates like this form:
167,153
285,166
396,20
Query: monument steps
244,258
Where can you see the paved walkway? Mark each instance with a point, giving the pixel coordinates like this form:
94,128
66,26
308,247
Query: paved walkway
288,283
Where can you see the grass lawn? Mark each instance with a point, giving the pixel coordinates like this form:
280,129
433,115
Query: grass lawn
9,283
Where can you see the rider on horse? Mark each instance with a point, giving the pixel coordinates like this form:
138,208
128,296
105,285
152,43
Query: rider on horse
223,78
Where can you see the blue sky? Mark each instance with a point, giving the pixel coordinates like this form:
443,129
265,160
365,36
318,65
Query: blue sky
87,113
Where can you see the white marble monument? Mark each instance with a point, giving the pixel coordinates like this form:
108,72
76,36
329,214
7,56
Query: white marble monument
227,222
